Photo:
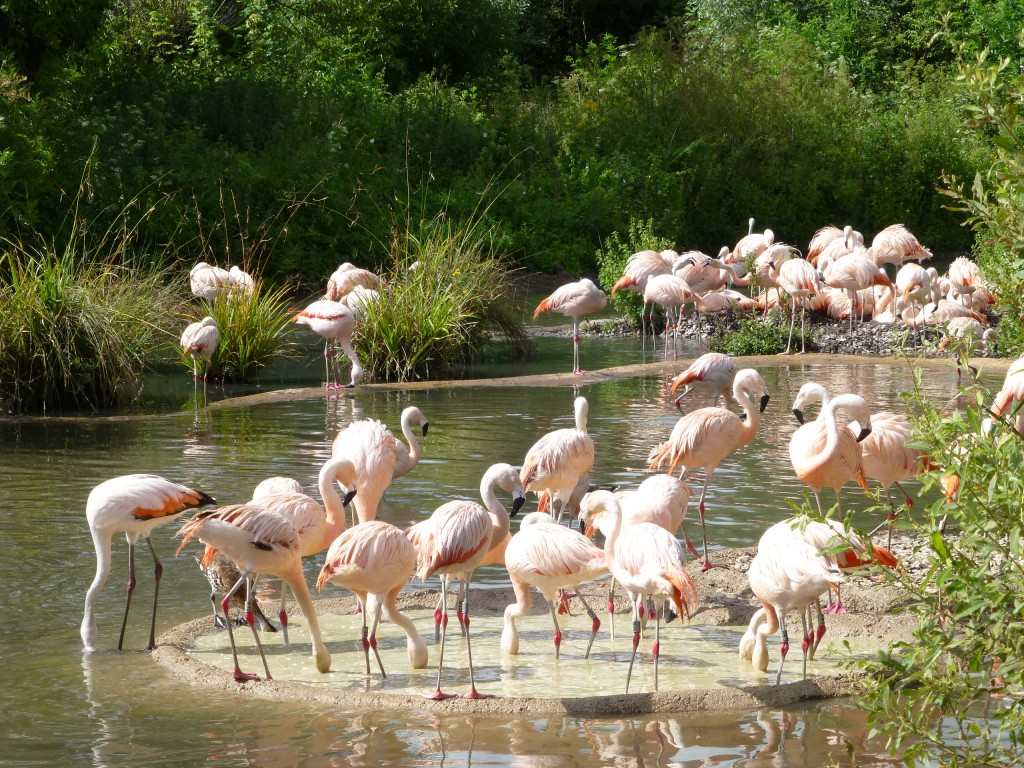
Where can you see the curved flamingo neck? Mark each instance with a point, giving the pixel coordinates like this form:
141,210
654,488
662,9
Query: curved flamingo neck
333,504
417,649
411,439
102,542
750,408
499,515
300,590
581,409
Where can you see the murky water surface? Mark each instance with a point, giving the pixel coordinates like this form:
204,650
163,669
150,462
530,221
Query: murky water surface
123,710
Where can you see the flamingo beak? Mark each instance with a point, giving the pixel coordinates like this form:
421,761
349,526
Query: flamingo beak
764,401
518,500
799,415
347,498
863,433
588,531
678,399
426,424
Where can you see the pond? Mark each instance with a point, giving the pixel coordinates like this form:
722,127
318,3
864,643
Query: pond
122,709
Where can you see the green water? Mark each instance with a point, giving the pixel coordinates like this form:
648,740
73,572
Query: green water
121,709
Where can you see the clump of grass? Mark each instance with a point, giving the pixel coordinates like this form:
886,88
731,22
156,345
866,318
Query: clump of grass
78,331
756,337
448,295
253,331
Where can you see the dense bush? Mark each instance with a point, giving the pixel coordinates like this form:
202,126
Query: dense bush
612,257
755,336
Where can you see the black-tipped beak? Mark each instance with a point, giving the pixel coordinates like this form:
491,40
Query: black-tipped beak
347,498
583,523
863,433
678,399
426,425
517,503
799,415
764,402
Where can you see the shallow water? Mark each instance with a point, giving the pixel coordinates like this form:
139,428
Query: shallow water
123,710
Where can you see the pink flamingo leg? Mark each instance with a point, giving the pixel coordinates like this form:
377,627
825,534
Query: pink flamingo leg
473,692
225,605
437,695
131,589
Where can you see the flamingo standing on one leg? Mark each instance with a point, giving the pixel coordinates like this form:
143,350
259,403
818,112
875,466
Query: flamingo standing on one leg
335,322
555,462
574,300
376,559
379,457
825,454
549,557
452,542
703,438
646,560
200,340
711,372
785,579
133,505
259,541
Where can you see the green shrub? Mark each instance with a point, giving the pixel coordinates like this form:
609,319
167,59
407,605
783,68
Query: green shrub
447,293
754,337
612,258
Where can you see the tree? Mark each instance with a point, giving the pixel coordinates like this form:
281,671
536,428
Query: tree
31,31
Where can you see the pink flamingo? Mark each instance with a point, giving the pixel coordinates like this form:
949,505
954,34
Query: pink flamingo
1008,399
848,237
345,278
800,280
133,505
379,457
824,454
965,335
209,282
452,542
259,541
200,340
335,322
549,557
375,559
896,245
555,462
241,281
647,561
711,372
784,578
854,273
574,300
639,268
703,438
671,293
752,243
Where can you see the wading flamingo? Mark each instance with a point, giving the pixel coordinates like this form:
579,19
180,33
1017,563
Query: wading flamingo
335,322
452,542
639,268
260,542
826,454
222,574
711,372
555,462
200,340
379,457
574,300
376,559
647,561
133,505
703,438
549,557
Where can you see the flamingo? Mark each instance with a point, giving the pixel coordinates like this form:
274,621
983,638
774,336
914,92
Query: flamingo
784,578
209,282
549,557
335,322
223,574
854,273
241,281
711,372
275,485
259,541
1008,399
574,300
345,279
646,560
133,505
379,457
703,438
639,268
376,559
824,454
827,235
914,286
670,292
897,245
939,312
452,542
800,280
555,462
964,335
200,340
752,243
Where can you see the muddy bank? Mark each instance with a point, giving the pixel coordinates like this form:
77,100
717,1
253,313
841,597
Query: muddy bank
725,600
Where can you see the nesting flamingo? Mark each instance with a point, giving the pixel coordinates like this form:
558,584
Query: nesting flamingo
705,437
574,300
200,340
260,542
375,559
379,457
133,505
452,542
647,561
549,557
711,372
557,460
335,322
